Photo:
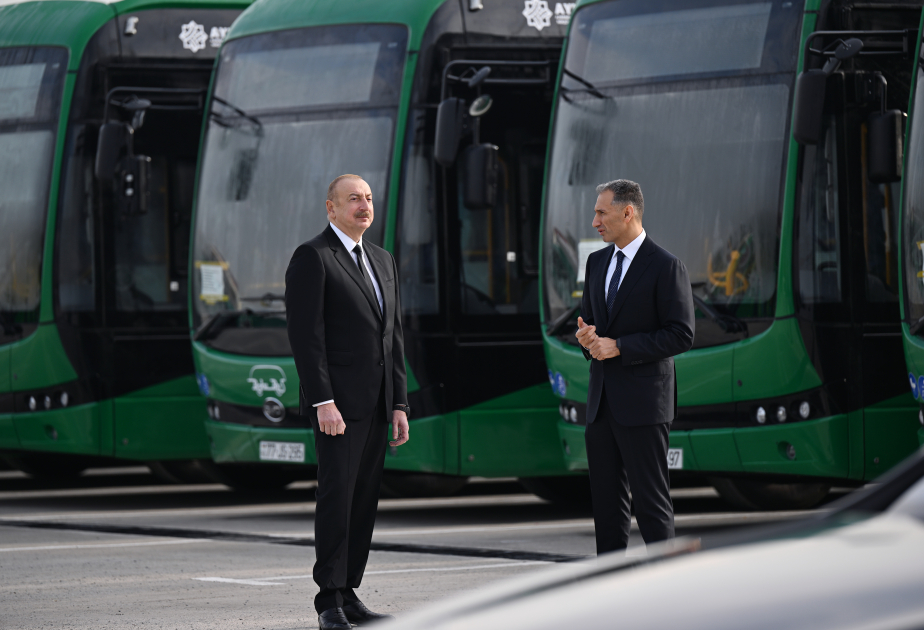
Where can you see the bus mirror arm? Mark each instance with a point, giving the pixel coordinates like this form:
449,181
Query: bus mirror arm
809,102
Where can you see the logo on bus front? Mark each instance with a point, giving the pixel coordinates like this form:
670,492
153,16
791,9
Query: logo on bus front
195,38
539,15
267,378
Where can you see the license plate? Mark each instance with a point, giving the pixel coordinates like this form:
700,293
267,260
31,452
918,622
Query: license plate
282,451
675,458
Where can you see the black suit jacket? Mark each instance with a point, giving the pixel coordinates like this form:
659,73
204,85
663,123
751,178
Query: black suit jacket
653,320
343,345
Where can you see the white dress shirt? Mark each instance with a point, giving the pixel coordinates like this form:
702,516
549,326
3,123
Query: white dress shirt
349,243
630,251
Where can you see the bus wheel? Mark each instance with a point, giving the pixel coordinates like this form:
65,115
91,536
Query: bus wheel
185,471
746,494
570,490
404,485
257,478
50,466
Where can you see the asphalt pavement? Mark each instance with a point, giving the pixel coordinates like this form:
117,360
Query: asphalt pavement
117,548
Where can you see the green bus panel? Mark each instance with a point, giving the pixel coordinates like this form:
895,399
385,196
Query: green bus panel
72,430
238,379
515,442
889,432
705,376
714,449
774,363
40,361
235,443
163,421
168,427
512,435
425,451
820,448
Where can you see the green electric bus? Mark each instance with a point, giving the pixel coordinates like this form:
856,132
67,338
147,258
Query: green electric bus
912,239
796,379
101,108
305,91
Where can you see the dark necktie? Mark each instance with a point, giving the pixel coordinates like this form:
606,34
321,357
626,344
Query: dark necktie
614,282
358,250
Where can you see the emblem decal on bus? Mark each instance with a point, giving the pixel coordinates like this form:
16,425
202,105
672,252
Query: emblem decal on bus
537,14
563,12
267,378
195,38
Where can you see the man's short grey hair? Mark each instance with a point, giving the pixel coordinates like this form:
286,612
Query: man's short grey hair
625,192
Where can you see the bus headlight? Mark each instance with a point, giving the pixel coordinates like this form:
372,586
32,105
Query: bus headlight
805,410
781,414
761,415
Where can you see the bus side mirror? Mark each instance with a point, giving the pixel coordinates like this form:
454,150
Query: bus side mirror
884,135
481,169
113,138
809,106
449,123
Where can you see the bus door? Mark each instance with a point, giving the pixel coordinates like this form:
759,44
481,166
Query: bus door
493,190
847,252
146,227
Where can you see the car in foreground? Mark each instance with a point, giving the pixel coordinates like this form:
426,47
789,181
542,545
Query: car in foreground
858,565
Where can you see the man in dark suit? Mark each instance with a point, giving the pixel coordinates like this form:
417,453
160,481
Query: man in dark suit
636,314
344,324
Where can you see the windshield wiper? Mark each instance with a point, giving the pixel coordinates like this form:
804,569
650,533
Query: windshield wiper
222,120
559,322
265,299
590,86
226,319
728,323
915,328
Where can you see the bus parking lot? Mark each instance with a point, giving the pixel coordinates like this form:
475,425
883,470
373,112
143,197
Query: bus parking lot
118,548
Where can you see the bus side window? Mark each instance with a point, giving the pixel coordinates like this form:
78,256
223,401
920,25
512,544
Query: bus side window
76,230
818,225
416,244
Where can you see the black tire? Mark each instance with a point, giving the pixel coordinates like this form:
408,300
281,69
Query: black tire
256,478
404,485
570,490
48,466
185,471
746,494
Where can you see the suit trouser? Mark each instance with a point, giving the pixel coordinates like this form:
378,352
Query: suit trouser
620,457
349,479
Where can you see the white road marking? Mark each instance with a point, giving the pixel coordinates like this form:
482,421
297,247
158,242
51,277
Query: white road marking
184,541
268,581
133,490
385,505
486,528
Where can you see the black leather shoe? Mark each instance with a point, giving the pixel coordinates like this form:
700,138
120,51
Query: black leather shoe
357,613
333,619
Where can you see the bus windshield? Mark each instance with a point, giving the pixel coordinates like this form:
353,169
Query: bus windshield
692,103
30,100
291,111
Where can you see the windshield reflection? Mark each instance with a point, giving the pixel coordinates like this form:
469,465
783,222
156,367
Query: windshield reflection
280,130
702,129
